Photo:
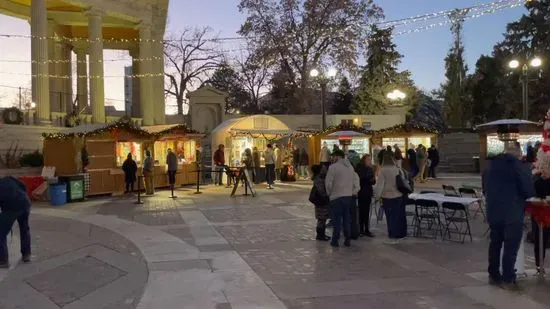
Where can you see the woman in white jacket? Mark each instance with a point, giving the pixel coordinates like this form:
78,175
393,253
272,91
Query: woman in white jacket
392,198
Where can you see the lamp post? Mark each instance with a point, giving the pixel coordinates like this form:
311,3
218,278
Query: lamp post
396,95
323,79
534,63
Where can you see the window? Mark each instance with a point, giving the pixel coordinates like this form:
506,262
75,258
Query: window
399,141
124,148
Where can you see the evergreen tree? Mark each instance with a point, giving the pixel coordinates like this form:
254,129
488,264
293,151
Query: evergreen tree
226,79
283,96
343,101
380,76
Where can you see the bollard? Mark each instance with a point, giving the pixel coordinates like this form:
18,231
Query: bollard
139,191
198,181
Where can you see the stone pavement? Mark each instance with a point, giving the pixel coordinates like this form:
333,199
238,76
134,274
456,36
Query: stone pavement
213,251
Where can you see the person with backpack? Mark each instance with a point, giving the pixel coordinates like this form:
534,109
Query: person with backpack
319,198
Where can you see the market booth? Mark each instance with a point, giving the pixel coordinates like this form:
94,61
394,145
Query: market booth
347,137
184,143
102,149
493,136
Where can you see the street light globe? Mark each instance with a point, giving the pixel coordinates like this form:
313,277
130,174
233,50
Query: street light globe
314,73
536,62
33,105
513,64
391,95
400,95
332,72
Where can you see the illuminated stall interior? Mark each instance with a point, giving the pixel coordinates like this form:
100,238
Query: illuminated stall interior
493,134
357,139
404,135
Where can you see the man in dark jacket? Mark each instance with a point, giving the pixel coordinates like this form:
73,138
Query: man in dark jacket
171,167
506,184
15,205
433,156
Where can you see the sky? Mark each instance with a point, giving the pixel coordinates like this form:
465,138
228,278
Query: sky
423,52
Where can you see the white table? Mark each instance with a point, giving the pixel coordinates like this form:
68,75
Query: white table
441,198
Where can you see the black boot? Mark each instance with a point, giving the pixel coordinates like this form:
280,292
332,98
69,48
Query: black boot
321,234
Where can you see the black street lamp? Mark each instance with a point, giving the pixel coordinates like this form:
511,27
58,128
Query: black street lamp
323,80
514,64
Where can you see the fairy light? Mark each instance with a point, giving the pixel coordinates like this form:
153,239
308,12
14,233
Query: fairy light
84,76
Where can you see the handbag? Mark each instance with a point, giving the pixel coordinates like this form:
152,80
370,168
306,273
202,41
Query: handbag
402,184
317,199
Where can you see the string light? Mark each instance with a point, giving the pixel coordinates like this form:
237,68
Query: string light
85,76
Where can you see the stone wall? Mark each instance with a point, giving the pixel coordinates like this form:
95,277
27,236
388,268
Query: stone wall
457,151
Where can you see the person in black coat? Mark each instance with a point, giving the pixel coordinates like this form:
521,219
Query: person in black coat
130,169
413,165
366,179
15,205
433,156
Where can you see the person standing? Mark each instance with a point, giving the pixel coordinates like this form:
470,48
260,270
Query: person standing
129,167
433,157
148,173
542,190
366,180
257,165
278,162
507,185
296,159
398,156
171,167
269,157
304,164
392,199
421,160
15,205
320,199
219,164
342,183
324,156
411,158
248,162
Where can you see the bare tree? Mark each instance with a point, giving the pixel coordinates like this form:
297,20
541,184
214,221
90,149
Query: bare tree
190,57
254,75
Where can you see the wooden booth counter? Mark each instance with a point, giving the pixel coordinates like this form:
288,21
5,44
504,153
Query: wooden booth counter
102,149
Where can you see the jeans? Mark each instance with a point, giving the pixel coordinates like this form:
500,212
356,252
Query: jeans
396,217
129,187
536,238
270,173
364,212
304,171
340,213
218,170
257,175
509,235
171,177
7,218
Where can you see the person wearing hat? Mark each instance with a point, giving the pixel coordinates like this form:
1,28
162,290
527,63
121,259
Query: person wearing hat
342,183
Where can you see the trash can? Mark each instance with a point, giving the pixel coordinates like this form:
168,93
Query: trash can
75,187
477,168
58,194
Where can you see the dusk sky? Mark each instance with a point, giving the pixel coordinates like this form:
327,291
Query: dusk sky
423,52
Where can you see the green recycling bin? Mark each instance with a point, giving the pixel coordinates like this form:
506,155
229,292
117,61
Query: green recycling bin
75,187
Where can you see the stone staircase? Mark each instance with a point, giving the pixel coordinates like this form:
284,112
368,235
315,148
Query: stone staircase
457,151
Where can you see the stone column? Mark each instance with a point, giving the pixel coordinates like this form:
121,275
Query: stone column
39,46
67,84
158,80
136,107
82,79
97,84
145,80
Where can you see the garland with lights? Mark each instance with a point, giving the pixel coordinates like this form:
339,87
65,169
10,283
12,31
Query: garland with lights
122,125
344,127
405,127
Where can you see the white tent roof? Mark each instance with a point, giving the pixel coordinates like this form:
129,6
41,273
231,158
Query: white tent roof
346,134
507,122
248,124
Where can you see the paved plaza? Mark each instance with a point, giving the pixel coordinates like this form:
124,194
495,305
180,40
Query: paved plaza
212,251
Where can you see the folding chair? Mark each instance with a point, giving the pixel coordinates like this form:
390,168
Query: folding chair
456,214
410,212
450,190
467,192
427,214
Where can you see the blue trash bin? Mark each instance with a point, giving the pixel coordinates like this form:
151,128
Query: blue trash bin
58,194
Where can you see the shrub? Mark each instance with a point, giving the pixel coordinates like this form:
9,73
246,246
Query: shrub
33,159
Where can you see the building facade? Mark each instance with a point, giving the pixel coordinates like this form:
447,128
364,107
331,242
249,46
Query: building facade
86,28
